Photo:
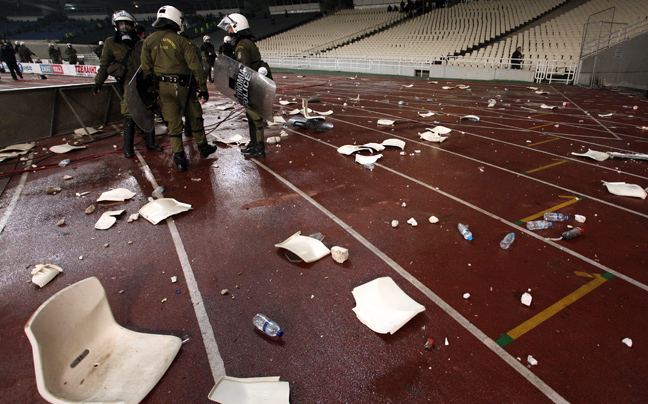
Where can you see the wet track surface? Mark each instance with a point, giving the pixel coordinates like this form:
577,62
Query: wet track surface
515,163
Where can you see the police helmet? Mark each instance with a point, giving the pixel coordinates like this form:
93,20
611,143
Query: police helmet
237,22
100,42
124,16
227,39
169,15
206,38
22,44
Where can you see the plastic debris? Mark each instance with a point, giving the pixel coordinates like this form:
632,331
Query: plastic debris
580,218
267,390
61,222
633,156
273,139
429,344
595,155
394,223
90,209
107,219
133,217
306,248
339,254
627,341
160,209
43,273
386,122
53,190
350,149
64,148
395,143
624,189
116,195
441,130
412,222
446,342
64,163
367,159
472,118
532,361
432,137
383,307
526,299
224,292
466,296
545,106
67,177
174,279
433,219
426,114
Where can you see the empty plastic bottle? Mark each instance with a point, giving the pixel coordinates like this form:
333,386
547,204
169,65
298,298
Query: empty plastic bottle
538,224
463,229
556,217
265,324
158,191
572,233
507,241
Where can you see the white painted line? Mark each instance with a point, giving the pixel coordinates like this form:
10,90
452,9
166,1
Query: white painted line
16,195
499,351
589,115
216,363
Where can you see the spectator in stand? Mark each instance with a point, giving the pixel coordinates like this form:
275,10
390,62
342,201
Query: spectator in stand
72,54
55,54
516,58
9,57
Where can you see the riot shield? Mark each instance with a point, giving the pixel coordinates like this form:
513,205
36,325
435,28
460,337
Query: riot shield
244,85
137,108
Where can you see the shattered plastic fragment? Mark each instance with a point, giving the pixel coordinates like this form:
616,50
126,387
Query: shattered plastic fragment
441,130
627,341
634,156
255,390
595,155
412,222
472,118
532,361
580,218
133,217
374,146
43,273
81,131
20,149
306,248
350,149
432,137
116,195
609,114
107,219
61,222
53,190
90,209
387,122
466,295
64,148
624,189
367,159
395,143
426,114
433,219
383,307
394,223
160,209
446,342
545,106
339,254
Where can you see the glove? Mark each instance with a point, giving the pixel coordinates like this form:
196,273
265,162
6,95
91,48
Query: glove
204,95
263,71
96,89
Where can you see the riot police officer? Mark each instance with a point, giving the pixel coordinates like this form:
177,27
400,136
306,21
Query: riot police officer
226,47
72,54
54,54
120,58
208,53
246,52
170,60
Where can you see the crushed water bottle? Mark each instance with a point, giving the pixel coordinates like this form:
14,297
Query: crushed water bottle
556,217
463,229
572,233
538,224
265,324
65,162
369,166
507,241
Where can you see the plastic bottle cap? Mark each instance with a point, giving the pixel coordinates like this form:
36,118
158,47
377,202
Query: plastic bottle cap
470,238
550,224
279,333
566,217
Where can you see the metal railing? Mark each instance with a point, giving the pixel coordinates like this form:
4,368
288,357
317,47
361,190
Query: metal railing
605,41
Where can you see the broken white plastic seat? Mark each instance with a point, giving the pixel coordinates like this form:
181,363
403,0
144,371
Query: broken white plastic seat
253,390
116,195
160,209
367,159
81,355
395,143
594,155
64,148
383,307
624,189
441,130
306,248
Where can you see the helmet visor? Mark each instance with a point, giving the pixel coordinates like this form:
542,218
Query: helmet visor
226,23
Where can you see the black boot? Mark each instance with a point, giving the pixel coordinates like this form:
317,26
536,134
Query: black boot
150,141
249,147
129,135
206,149
257,152
180,160
252,144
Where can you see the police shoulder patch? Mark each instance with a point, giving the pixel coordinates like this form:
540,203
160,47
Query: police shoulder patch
239,55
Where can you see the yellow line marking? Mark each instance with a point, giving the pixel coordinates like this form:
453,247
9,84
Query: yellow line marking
552,310
584,274
542,168
533,116
568,196
544,141
542,126
553,209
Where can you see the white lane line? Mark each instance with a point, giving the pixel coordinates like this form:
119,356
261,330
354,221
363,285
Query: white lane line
216,363
499,351
587,114
16,195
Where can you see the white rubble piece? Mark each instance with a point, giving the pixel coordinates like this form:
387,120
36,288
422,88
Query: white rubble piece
580,218
624,189
339,254
374,146
349,149
306,248
394,143
627,341
133,217
107,219
43,273
386,122
472,118
545,106
394,223
526,299
383,307
432,137
441,130
20,148
367,159
254,390
82,131
412,222
433,219
466,295
594,155
532,361
64,148
426,114
159,209
116,195
273,139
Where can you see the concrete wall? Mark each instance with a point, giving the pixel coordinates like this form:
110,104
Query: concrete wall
622,65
